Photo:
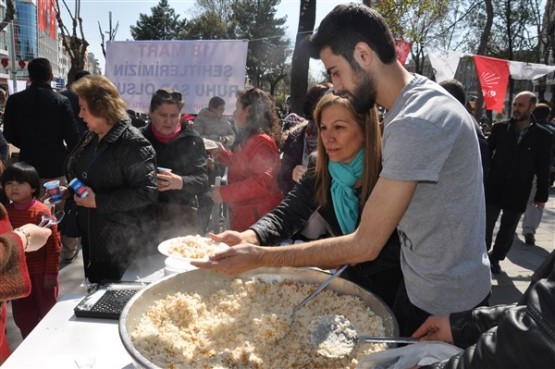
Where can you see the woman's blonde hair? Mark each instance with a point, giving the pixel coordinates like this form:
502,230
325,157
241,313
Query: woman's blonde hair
102,97
372,148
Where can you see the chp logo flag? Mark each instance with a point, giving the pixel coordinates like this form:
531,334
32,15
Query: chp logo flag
494,77
402,48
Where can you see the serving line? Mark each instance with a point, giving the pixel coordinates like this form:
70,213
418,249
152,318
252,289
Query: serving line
61,338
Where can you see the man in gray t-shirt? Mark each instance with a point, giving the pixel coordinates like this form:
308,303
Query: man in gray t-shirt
430,186
429,138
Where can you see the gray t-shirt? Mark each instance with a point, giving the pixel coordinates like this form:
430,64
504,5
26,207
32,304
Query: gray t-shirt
429,137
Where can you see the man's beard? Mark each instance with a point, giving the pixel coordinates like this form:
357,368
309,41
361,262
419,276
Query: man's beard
363,97
523,117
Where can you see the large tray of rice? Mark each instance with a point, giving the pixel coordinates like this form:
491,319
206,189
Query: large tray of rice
203,319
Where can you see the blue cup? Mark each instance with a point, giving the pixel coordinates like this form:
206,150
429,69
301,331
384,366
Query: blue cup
53,191
79,188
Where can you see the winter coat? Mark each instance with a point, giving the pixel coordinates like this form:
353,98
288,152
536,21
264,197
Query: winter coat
14,276
252,188
293,149
186,156
124,223
13,267
381,276
38,121
214,128
509,336
513,166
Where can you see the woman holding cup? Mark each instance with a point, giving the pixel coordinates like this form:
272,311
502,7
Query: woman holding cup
182,172
115,190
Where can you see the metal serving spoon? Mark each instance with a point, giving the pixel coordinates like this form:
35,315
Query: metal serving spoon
47,221
335,336
318,290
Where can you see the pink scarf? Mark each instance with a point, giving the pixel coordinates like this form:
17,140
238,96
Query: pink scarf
162,138
25,206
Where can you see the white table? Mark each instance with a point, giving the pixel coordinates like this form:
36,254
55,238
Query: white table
61,338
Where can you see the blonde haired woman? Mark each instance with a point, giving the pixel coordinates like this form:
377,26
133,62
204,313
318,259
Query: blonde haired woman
347,168
117,220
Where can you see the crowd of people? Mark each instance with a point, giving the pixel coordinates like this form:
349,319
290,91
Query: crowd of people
408,200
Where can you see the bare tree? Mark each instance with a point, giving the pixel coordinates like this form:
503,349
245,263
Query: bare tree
482,47
10,13
75,45
111,33
547,46
301,56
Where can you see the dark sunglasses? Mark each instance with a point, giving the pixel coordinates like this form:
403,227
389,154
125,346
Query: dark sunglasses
176,96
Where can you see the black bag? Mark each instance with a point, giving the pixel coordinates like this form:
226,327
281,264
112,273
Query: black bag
69,225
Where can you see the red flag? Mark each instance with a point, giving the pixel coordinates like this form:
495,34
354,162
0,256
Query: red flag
53,24
41,15
494,77
402,48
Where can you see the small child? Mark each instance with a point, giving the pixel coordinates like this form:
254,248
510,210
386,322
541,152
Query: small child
21,184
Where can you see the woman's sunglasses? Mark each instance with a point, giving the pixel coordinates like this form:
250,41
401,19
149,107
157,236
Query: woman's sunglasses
175,96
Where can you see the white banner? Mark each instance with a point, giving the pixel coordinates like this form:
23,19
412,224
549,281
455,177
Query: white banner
199,69
521,70
443,62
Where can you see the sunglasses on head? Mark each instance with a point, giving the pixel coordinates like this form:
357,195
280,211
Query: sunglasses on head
169,95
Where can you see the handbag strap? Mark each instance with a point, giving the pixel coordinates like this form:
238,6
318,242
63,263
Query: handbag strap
97,152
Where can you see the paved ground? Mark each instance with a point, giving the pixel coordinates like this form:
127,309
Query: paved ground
507,286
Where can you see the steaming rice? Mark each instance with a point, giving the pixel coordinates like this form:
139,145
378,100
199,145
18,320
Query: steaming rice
247,325
192,247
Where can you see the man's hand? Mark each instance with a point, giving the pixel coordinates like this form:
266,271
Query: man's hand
435,328
234,260
539,205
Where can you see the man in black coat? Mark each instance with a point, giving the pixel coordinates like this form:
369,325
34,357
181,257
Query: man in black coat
520,149
41,123
503,336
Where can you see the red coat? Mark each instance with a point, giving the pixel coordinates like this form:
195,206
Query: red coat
14,278
252,188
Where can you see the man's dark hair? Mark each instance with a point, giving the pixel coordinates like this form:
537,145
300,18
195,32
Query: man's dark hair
541,112
215,102
39,70
347,25
314,95
80,74
455,88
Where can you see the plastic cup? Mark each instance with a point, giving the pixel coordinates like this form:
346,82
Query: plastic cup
79,188
53,191
163,170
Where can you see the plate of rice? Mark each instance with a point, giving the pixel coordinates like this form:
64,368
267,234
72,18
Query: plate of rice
190,247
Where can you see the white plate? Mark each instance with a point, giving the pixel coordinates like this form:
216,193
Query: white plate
165,248
209,144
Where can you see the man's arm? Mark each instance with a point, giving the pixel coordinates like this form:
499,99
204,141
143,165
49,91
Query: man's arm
10,130
382,212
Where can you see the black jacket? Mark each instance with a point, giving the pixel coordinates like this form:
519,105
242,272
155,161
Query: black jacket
381,276
509,336
186,156
123,177
513,166
38,121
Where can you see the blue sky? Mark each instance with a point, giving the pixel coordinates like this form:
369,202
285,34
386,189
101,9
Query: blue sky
126,12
